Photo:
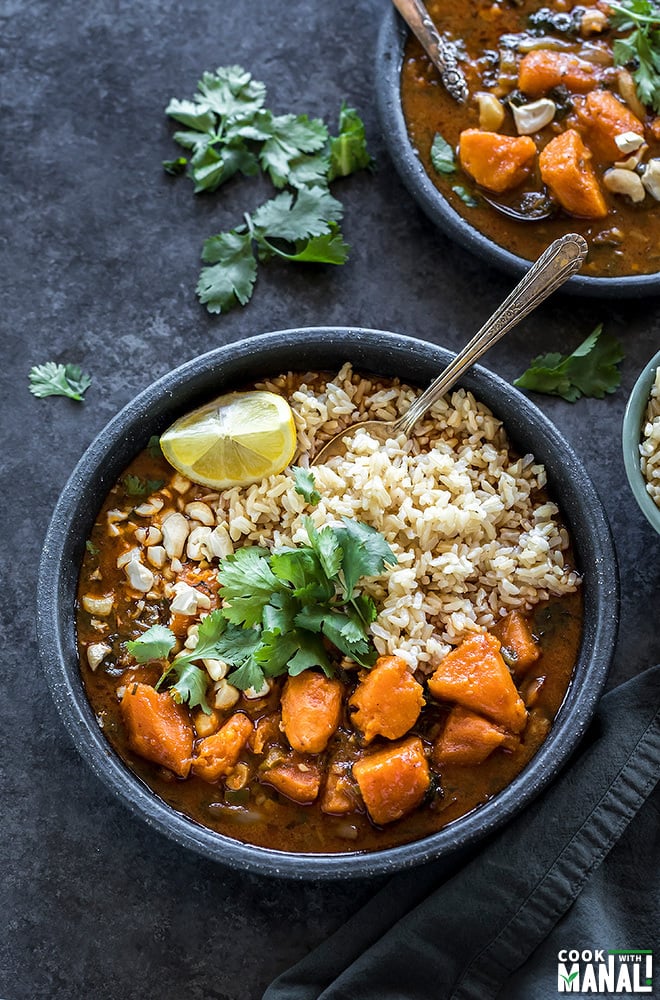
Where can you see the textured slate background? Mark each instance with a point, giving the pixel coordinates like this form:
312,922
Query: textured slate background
99,256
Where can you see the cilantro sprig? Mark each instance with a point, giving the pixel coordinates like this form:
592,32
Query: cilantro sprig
229,131
51,379
640,48
279,610
186,681
280,606
591,370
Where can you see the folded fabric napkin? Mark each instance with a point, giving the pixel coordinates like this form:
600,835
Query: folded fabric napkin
570,886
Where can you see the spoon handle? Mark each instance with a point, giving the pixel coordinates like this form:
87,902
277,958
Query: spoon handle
441,52
562,258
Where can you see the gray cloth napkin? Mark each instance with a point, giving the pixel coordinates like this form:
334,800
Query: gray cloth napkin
577,872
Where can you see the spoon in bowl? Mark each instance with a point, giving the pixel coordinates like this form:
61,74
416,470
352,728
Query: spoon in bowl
440,51
556,264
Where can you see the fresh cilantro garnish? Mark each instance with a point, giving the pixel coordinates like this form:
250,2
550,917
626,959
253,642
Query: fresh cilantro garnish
154,644
305,485
228,131
641,47
51,379
185,681
279,609
591,370
280,606
466,196
442,155
91,548
137,487
305,222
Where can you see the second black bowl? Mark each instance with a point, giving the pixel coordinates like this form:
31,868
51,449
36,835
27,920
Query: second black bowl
389,58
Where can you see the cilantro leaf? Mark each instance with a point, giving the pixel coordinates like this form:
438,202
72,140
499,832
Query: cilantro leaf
466,196
348,149
51,379
309,215
230,91
310,653
194,116
155,644
591,370
327,249
290,137
302,569
641,47
442,155
233,275
365,553
305,485
248,675
211,166
191,684
248,584
326,545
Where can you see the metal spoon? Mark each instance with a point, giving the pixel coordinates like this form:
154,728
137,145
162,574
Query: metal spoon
562,259
534,207
441,52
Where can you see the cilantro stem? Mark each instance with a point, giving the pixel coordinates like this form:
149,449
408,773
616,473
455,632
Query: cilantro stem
632,16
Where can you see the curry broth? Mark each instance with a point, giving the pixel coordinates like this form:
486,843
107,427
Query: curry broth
625,242
269,819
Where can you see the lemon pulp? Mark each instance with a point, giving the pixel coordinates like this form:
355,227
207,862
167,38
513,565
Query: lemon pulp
235,440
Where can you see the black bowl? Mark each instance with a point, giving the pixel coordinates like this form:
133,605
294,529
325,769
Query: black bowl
314,349
391,42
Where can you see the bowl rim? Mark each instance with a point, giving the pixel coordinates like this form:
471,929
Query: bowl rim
128,432
392,35
631,436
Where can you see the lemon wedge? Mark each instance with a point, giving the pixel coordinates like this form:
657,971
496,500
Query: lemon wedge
237,439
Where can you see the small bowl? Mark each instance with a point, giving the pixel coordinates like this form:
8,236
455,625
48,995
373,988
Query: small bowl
303,350
389,58
631,436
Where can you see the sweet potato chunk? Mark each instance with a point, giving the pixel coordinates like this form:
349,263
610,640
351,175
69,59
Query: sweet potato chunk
393,781
266,731
467,738
514,633
218,754
497,162
603,118
475,676
543,69
340,794
388,700
311,710
158,728
298,779
566,168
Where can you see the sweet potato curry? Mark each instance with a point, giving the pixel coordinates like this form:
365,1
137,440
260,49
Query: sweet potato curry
561,126
337,752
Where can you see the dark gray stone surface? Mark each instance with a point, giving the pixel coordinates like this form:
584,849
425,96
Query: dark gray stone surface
99,259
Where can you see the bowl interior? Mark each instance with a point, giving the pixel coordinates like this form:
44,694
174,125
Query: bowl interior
633,421
302,350
389,57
